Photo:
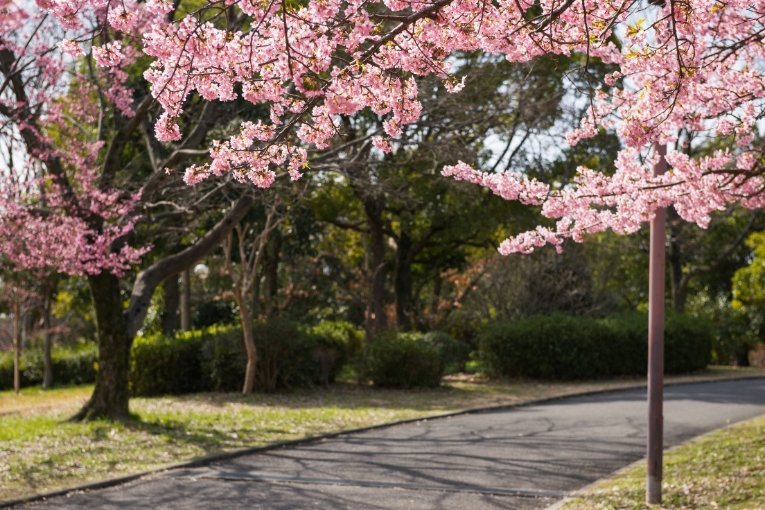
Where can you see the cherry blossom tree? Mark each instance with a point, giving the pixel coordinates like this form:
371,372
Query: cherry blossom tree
682,66
73,189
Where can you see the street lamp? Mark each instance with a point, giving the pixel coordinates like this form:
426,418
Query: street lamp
202,271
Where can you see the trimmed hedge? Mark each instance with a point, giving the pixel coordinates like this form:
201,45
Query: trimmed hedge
288,356
222,357
403,360
213,359
71,365
567,347
454,353
735,335
338,343
164,365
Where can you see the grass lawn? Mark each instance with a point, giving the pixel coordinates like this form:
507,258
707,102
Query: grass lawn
43,452
724,469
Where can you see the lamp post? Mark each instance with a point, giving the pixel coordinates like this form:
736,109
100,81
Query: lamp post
656,343
202,272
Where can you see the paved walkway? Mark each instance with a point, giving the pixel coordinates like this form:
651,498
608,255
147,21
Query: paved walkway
519,458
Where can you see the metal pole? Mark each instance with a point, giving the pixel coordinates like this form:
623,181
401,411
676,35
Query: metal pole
656,344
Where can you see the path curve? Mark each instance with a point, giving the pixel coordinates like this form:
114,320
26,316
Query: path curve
518,458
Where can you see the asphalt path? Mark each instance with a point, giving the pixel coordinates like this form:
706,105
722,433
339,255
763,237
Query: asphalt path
524,457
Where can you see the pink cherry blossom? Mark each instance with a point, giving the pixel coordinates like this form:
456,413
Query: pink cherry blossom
694,66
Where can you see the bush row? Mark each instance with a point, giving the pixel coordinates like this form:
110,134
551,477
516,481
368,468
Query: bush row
213,359
413,360
567,347
292,355
71,365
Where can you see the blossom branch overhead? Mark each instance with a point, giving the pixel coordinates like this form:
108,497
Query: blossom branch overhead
681,65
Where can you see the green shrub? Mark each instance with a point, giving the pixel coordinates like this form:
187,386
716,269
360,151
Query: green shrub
71,365
627,349
32,368
465,329
688,344
223,358
733,336
549,347
338,342
214,359
286,356
6,370
566,347
403,360
454,353
165,365
75,365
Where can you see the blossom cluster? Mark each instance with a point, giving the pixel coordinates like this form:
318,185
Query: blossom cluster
55,211
38,229
691,66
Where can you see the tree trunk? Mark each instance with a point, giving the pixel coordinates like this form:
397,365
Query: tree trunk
245,317
117,328
186,300
403,282
170,318
17,346
678,283
47,342
110,396
680,295
271,273
376,319
435,300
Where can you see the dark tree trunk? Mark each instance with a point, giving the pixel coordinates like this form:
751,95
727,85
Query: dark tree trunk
678,280
117,327
403,282
170,318
435,299
110,396
271,261
47,341
248,335
186,300
376,319
680,295
17,342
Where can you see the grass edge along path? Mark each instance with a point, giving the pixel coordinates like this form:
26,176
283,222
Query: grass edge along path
41,454
722,469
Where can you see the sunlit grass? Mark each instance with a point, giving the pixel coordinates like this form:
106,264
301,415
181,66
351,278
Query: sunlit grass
36,398
41,451
724,469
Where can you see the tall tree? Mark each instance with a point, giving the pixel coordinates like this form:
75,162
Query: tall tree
76,125
244,251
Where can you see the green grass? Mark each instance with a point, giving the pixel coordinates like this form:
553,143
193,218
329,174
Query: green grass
36,398
724,469
42,451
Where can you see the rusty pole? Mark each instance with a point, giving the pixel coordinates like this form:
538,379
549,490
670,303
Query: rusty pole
656,344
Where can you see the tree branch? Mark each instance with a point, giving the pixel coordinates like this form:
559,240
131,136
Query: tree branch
148,279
